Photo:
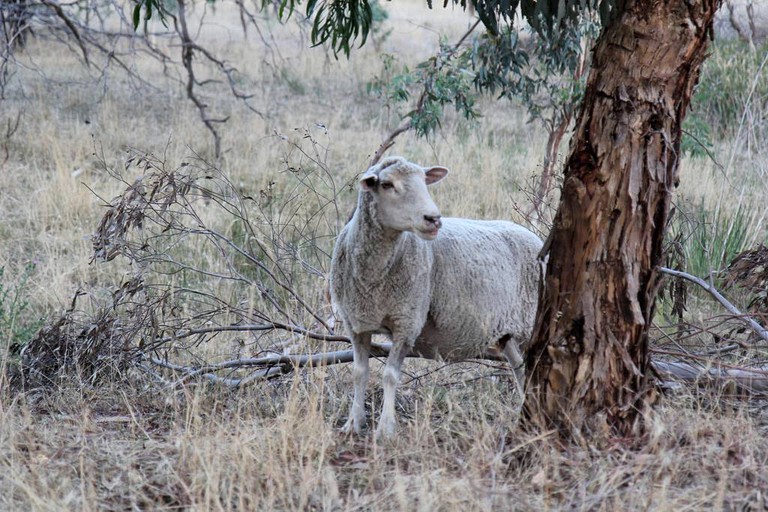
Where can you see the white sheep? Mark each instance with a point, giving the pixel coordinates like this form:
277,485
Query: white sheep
442,288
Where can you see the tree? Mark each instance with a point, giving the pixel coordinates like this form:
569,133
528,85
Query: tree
588,360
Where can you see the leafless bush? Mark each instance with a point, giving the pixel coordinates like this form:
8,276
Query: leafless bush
212,264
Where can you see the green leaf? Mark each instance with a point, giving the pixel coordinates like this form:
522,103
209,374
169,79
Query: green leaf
137,15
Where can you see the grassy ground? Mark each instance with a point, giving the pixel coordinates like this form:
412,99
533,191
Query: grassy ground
135,444
277,448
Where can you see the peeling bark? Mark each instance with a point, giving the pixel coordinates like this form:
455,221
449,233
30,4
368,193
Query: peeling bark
588,363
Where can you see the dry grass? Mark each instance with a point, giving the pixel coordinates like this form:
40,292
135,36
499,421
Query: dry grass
276,445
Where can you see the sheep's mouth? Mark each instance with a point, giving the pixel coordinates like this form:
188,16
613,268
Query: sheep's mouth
428,233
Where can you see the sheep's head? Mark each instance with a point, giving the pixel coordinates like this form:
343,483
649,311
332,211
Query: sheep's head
399,190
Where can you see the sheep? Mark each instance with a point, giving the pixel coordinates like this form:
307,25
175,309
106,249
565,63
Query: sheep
441,288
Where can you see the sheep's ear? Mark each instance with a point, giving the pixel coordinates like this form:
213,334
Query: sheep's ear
435,174
368,181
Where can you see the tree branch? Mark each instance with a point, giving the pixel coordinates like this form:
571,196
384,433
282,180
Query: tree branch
272,366
70,26
759,329
408,123
187,51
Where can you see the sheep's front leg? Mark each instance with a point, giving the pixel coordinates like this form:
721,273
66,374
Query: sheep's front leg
388,422
361,345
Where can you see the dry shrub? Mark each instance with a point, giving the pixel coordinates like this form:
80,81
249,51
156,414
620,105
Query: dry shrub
748,272
87,346
213,267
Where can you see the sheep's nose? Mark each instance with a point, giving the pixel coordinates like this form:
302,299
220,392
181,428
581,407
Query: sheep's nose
434,219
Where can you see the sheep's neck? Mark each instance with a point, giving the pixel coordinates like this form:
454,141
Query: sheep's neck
376,249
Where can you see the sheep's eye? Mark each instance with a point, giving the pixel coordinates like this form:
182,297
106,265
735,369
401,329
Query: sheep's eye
387,185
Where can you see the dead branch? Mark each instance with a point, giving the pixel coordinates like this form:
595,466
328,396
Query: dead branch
740,31
70,26
274,366
756,327
746,380
88,29
187,53
271,366
390,140
708,361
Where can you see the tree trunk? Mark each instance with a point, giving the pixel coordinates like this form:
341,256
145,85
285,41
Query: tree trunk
587,363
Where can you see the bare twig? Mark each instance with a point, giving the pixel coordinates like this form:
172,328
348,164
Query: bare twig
55,7
270,326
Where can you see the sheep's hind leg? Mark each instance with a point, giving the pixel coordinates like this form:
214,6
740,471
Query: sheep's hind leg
516,361
388,421
361,345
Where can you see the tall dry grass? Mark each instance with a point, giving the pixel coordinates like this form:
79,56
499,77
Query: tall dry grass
140,445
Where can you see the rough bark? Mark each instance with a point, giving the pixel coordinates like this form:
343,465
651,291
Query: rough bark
588,360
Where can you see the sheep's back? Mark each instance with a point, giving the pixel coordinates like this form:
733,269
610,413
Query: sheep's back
485,285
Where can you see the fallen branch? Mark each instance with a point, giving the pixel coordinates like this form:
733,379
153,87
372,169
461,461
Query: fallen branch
745,380
274,366
707,362
707,372
759,329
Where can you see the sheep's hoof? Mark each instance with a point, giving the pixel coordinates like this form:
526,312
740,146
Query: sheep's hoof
386,429
352,426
